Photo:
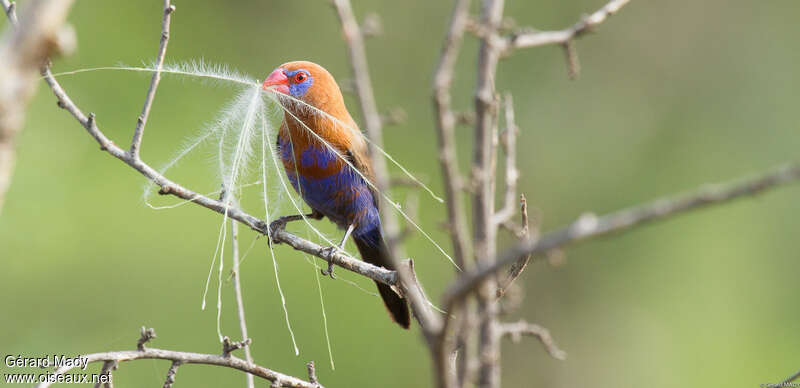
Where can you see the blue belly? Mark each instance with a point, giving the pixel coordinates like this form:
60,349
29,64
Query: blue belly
343,196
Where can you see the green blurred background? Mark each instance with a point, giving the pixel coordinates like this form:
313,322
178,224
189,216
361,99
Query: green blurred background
672,95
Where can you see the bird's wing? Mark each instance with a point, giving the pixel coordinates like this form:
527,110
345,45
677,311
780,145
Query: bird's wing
358,155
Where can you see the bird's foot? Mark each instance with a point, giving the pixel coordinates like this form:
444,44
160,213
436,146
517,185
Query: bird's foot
281,222
328,254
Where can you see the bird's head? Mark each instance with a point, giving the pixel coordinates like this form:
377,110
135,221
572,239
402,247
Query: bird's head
305,81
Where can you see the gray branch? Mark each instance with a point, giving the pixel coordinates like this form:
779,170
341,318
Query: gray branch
589,225
192,358
136,143
543,38
518,329
237,287
445,129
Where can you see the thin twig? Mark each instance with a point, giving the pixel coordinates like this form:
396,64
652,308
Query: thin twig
483,163
141,121
108,366
173,369
237,287
509,144
543,38
445,129
446,120
518,329
590,226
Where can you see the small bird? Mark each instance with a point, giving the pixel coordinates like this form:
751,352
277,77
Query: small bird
329,185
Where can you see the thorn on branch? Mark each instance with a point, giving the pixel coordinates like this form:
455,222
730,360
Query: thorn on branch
165,190
173,369
146,335
229,346
170,9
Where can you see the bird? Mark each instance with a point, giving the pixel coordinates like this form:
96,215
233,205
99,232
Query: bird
332,188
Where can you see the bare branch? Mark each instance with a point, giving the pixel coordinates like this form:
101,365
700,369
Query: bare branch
445,129
191,358
483,164
518,329
24,48
280,235
542,38
237,287
136,143
589,225
108,366
509,144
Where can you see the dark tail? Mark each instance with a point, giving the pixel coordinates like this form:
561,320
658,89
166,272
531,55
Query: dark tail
373,250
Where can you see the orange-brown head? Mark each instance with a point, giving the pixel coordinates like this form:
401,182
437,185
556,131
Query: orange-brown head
309,82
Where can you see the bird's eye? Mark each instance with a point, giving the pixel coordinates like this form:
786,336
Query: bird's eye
300,77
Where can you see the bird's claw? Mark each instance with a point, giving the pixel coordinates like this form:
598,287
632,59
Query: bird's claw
276,225
328,254
328,272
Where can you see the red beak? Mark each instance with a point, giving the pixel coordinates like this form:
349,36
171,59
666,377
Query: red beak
278,81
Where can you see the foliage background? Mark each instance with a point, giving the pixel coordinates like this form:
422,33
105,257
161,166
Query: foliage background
672,95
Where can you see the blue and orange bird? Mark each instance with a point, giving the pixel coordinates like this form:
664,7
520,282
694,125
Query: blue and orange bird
318,171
